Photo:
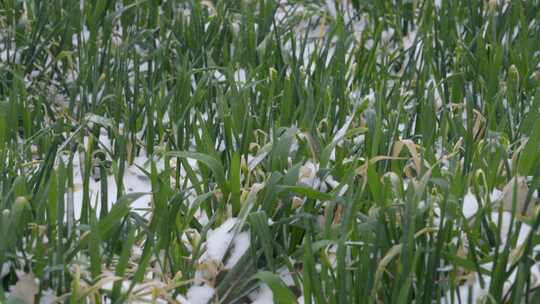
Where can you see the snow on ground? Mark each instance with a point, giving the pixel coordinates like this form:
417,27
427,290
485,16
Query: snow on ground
474,289
262,296
224,247
4,270
224,239
218,241
240,246
199,294
470,205
134,180
506,224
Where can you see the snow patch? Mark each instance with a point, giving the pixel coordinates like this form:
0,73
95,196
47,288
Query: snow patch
240,246
263,296
200,294
470,205
218,240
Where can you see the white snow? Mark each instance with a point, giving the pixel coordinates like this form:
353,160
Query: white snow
134,180
495,195
240,246
200,294
408,40
308,175
506,220
263,295
473,283
4,270
48,297
479,294
285,276
470,205
132,183
218,240
240,76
